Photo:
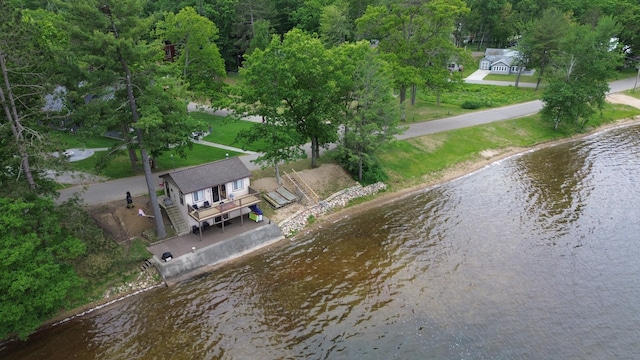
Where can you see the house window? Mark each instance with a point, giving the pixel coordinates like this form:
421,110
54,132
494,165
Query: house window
198,196
238,185
181,198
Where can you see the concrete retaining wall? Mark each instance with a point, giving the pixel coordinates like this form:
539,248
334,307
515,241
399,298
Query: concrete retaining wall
242,244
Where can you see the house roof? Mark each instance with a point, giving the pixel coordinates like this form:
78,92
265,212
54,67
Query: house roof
208,175
494,56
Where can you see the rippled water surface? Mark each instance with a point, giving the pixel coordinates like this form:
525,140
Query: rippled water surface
535,257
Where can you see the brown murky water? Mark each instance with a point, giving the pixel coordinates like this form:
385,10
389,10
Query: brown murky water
535,257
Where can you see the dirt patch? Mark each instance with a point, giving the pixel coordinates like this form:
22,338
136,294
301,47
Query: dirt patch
123,223
323,181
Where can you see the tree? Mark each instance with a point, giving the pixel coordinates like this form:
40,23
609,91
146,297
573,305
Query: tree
372,112
121,61
578,83
295,82
307,15
261,37
335,26
628,14
27,74
281,143
253,22
410,32
36,276
495,22
542,40
198,59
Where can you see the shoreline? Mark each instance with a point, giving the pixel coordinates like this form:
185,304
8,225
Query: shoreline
448,175
379,199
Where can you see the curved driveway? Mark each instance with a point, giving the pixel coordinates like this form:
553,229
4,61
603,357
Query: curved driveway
113,190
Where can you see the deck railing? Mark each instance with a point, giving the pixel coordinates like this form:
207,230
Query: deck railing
226,206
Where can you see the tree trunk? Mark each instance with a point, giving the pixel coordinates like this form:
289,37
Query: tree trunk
276,167
414,91
360,169
133,157
315,151
16,124
403,93
540,77
186,62
518,76
161,232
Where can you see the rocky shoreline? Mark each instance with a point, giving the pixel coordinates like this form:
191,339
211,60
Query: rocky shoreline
299,220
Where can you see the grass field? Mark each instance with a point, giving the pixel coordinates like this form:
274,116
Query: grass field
409,162
224,131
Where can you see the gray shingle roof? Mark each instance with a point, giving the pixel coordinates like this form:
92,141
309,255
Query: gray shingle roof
507,56
208,175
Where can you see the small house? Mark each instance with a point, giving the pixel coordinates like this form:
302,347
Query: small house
500,61
212,193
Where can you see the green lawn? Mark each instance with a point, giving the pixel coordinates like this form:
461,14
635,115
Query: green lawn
224,130
512,78
488,96
408,162
120,166
71,141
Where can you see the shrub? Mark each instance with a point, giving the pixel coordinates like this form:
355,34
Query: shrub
471,105
372,171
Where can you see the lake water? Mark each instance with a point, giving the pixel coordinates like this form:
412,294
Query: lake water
533,257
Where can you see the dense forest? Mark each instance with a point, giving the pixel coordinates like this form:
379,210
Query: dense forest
309,68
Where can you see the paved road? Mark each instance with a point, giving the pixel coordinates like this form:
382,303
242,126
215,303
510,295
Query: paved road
116,189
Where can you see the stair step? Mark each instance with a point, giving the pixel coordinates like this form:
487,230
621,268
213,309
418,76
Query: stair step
147,264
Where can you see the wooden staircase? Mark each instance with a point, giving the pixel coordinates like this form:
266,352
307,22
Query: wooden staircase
176,218
306,193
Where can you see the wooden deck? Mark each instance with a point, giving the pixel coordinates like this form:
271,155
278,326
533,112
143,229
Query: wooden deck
280,197
203,214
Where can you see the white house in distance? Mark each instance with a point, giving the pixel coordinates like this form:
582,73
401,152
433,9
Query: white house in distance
212,193
500,61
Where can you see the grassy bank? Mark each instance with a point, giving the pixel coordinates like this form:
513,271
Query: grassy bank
425,158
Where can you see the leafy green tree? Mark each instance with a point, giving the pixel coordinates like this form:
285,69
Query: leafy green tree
335,26
372,114
253,27
36,276
410,33
31,48
281,143
198,59
578,83
307,16
261,37
283,15
543,40
628,15
122,63
485,21
294,81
